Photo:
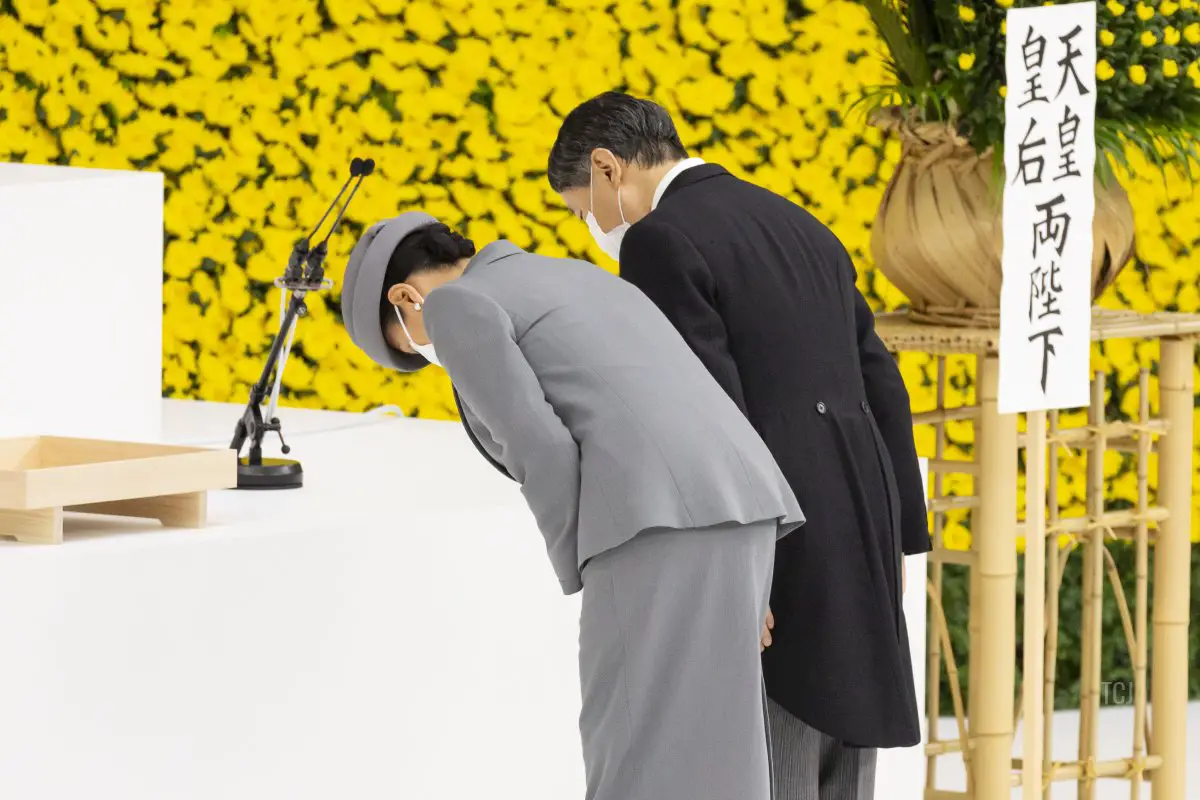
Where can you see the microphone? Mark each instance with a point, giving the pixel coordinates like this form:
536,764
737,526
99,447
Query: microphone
304,273
314,262
357,165
294,272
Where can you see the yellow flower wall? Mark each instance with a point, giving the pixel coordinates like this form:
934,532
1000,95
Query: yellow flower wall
253,108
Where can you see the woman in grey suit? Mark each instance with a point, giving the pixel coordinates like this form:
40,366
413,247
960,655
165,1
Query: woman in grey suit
655,496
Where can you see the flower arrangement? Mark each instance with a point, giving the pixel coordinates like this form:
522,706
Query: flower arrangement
946,60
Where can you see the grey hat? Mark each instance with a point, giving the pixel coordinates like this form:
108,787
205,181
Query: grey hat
363,287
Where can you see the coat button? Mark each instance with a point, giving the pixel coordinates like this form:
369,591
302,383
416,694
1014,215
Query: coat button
866,407
820,408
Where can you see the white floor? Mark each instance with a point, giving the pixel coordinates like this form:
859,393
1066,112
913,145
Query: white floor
1116,732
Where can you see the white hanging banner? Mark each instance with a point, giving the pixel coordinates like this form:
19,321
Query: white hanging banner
1049,202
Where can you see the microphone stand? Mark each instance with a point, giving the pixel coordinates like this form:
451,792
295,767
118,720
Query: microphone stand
305,272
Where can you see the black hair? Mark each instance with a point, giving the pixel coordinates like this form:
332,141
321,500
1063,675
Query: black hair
637,131
428,249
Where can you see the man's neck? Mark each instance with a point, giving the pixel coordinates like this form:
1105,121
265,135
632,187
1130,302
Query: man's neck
648,181
656,174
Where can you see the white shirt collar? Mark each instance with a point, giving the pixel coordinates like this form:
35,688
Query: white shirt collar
687,163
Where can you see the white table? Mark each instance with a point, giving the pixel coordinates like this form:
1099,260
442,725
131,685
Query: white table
391,630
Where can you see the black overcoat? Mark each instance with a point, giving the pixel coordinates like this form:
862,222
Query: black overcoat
765,295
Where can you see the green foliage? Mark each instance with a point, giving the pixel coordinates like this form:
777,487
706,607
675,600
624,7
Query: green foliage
1115,666
946,60
909,63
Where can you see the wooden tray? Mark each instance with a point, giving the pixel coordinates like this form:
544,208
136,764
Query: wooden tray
41,477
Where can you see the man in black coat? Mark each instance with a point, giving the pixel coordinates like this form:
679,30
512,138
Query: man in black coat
765,295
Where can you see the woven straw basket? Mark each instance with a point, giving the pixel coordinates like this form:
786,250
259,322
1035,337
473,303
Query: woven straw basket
938,234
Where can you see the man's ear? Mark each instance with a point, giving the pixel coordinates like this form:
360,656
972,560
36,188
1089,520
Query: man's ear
605,163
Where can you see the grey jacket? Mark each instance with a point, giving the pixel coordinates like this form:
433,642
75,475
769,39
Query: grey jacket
577,384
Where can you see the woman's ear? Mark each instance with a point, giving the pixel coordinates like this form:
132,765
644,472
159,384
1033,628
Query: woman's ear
400,294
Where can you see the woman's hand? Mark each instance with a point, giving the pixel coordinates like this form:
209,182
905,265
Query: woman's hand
768,626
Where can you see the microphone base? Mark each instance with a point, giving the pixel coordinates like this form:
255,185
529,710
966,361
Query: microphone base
272,473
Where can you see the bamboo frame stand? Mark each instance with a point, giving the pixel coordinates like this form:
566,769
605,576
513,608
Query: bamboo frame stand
986,722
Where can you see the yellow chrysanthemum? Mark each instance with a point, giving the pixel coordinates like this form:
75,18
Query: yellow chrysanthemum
56,109
32,12
956,537
1168,8
1137,74
1004,27
1004,91
1114,8
1171,36
1104,70
966,13
1148,39
706,96
1107,38
425,21
728,25
1004,3
1145,12
1169,68
966,61
862,163
1192,33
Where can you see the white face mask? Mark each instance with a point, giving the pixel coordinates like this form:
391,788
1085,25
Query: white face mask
425,350
609,242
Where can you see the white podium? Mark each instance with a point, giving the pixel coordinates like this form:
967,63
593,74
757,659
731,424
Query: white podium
81,254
